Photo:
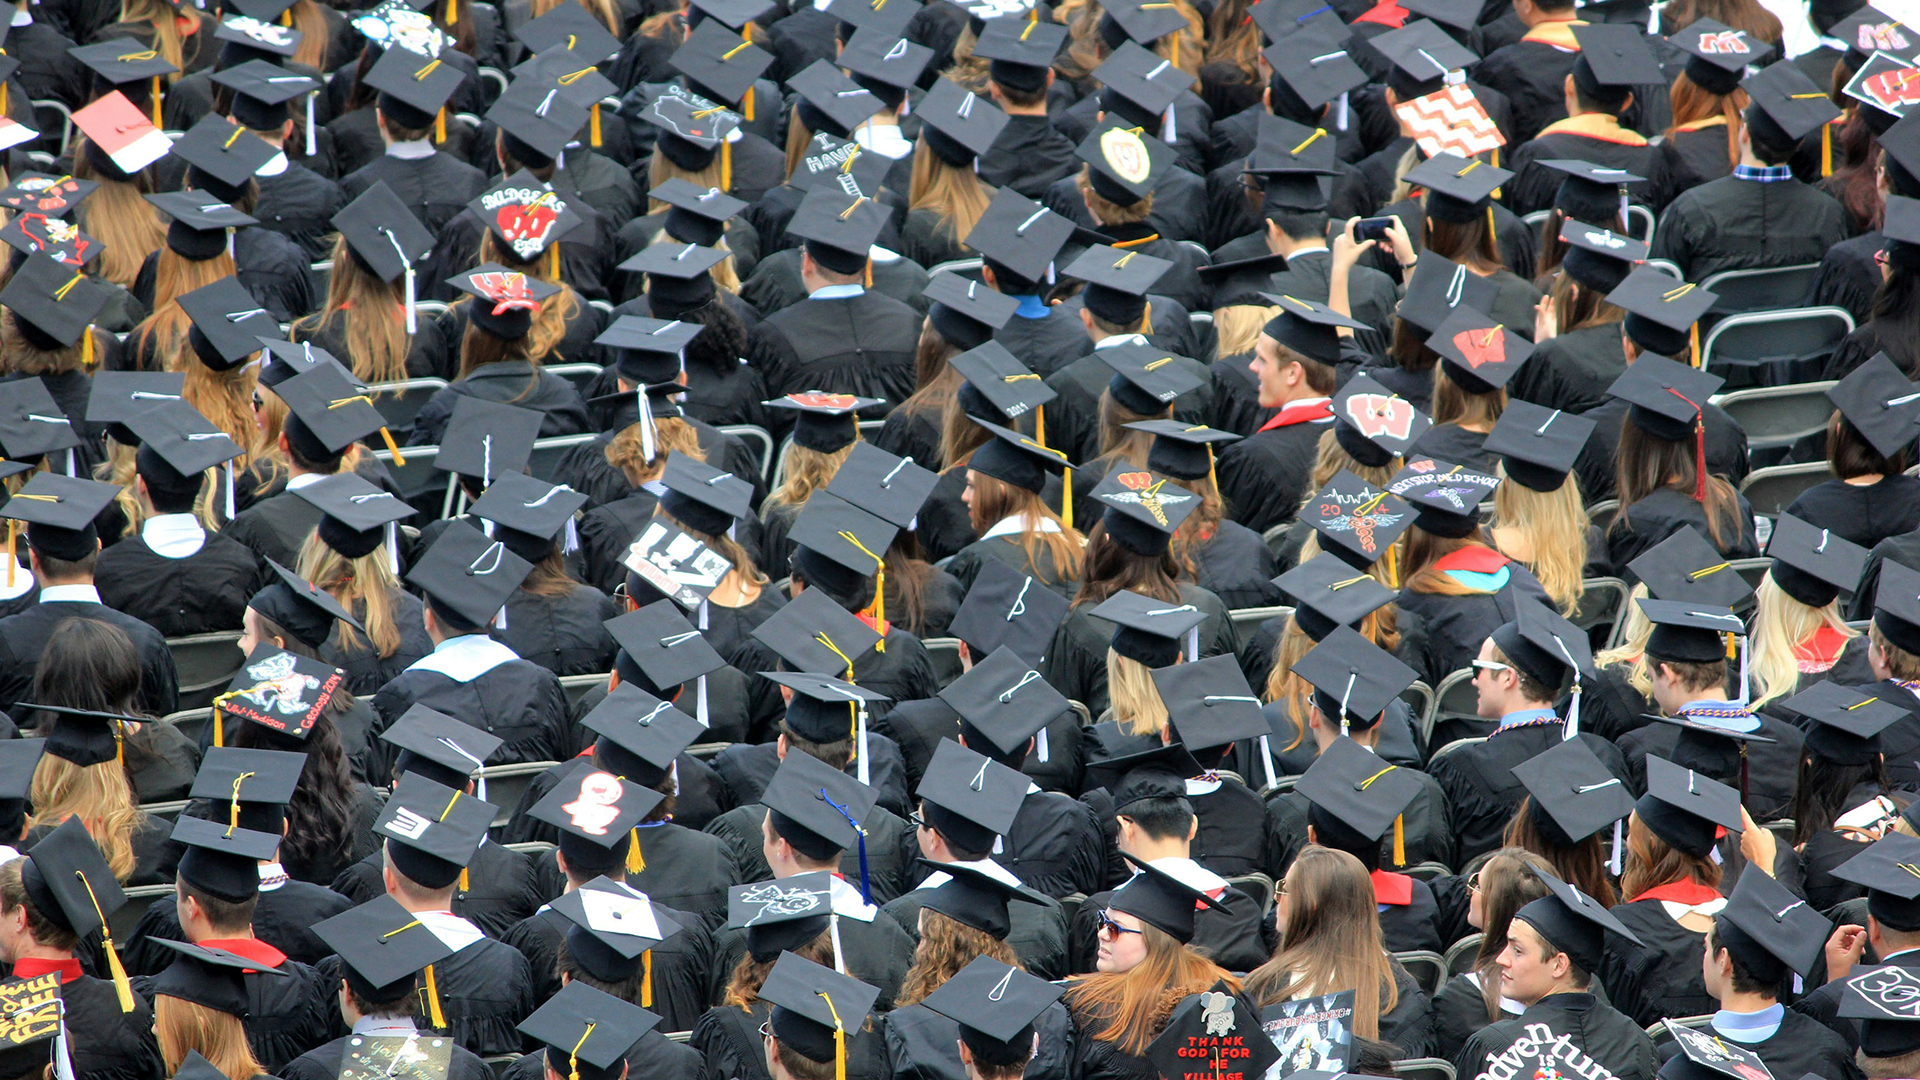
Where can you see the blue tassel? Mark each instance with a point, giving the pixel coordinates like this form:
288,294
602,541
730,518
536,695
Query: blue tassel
860,835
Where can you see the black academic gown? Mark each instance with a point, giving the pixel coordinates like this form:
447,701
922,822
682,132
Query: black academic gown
1456,445
506,381
201,593
368,671
287,1014
1482,793
1264,477
518,701
1735,224
655,1056
1660,978
275,527
1076,665
862,345
903,672
1047,343
323,1063
876,951
1531,72
562,633
1597,1033
729,1039
434,188
1572,371
299,204
923,1045
1427,833
1772,768
283,918
501,893
1864,514
1037,932
24,636
890,849
1593,137
679,964
109,1044
1027,156
1726,449
1456,625
1661,514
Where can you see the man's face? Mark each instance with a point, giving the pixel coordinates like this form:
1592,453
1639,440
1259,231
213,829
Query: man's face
1489,683
1527,965
1275,375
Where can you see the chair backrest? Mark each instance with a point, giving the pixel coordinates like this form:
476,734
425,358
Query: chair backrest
1427,967
1772,490
139,899
1460,954
1640,222
205,664
50,113
757,436
1777,418
580,375
577,687
1455,712
190,722
1603,601
1536,219
945,654
399,402
1248,620
1765,289
1657,1031
1665,266
1423,1069
1258,886
707,751
1774,348
1602,513
1276,537
545,459
1457,744
424,486
506,783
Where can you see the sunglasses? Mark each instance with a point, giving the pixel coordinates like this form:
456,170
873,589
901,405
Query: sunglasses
1108,927
1489,665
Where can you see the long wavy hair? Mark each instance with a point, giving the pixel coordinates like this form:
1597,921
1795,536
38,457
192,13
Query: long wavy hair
995,500
1651,862
364,585
1509,881
955,195
550,322
89,664
946,946
226,398
1781,625
1199,528
1455,404
125,223
1554,527
1895,317
1647,464
743,984
627,451
807,472
1583,865
1129,1008
1380,626
368,314
1238,327
1632,650
1693,103
320,814
181,1026
1330,940
165,331
168,41
1131,693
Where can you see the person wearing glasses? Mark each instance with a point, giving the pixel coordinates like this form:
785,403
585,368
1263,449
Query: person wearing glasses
1146,957
1472,999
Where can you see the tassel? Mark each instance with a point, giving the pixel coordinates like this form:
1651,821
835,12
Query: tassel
440,125
1826,149
453,12
1693,344
839,1039
286,17
120,985
466,884
413,319
596,125
573,1058
1490,233
434,1016
864,768
155,103
636,862
553,262
219,729
393,447
1212,477
1040,424
726,166
1617,852
1400,840
646,979
1066,498
867,280
746,106
13,560
86,349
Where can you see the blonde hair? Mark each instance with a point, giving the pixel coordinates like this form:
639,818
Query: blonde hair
1238,327
627,450
167,39
1555,525
175,275
1632,650
661,169
376,347
1291,690
603,10
181,1026
102,798
367,579
807,472
1134,698
955,194
725,273
226,398
550,321
1780,625
1455,404
117,214
1330,940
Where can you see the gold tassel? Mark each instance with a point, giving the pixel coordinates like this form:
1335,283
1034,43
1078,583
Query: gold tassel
393,447
726,167
1212,477
465,884
596,125
453,11
1826,149
553,262
286,17
746,106
1400,840
13,559
636,862
1040,424
1693,343
119,971
219,729
434,1015
155,103
646,979
3,93
1490,232
868,273
440,125
1393,566
1066,497
839,1039
86,342
573,1057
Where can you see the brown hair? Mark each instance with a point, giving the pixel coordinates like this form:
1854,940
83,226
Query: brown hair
1130,1007
1471,244
1104,210
163,19
1693,103
1647,464
314,35
181,1025
946,946
807,472
935,382
369,315
1509,880
117,214
165,331
1455,404
1651,863
995,500
603,10
1423,549
226,398
13,897
955,194
743,986
1330,940
550,321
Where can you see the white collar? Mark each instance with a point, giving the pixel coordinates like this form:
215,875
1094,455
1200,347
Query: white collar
453,931
275,167
1507,1005
986,866
8,853
1015,524
415,150
384,1025
465,658
837,292
1191,874
1119,339
1317,249
847,902
173,536
883,139
295,483
70,594
1196,786
22,582
272,876
22,18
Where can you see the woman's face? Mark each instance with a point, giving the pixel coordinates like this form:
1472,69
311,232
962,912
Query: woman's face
250,635
1123,943
1476,909
966,496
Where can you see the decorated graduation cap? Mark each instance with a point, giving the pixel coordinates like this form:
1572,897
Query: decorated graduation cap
662,651
355,515
1896,605
820,810
1459,190
1573,794
1445,498
1811,564
468,577
1327,592
996,1006
1006,609
1718,55
596,814
1117,282
1308,328
68,880
1685,809
1161,900
448,751
383,950
1846,723
284,692
1018,236
526,216
432,830
1150,631
1440,286
53,303
227,323
998,387
1786,107
209,976
615,927
839,229
1123,162
1373,424
1573,922
1201,1033
1599,259
1881,1000
1020,51
504,301
692,134
488,439
971,798
120,139
1481,354
1141,510
29,1041
815,1009
1536,445
587,1032
781,914
61,240
42,193
965,311
890,487
58,512
1003,701
1354,680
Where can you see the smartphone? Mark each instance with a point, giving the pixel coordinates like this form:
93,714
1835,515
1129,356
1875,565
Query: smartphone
1372,228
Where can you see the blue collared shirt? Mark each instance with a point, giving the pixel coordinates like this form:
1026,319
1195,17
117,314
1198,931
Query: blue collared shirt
1750,1027
1528,716
837,292
1031,307
1765,174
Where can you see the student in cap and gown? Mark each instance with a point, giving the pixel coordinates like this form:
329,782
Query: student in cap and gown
71,893
1733,223
1519,674
365,249
610,975
382,953
1891,931
672,954
500,314
1026,466
810,811
1611,72
825,424
468,579
961,824
1029,154
57,309
1871,446
551,620
1705,149
1123,172
430,182
1233,562
174,575
295,201
283,1001
59,513
1020,242
1476,376
1896,622
922,1036
222,159
500,887
1574,364
1138,628
1554,952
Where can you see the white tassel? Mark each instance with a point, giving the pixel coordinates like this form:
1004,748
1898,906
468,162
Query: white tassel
1745,693
700,685
1340,114
393,547
860,735
1193,644
1172,129
572,542
1618,853
1266,761
500,617
1040,745
839,954
70,465
313,134
646,426
229,489
413,319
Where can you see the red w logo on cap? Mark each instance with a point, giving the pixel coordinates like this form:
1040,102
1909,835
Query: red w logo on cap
508,291
1376,415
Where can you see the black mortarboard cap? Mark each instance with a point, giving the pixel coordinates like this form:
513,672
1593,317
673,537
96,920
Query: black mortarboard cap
83,736
413,88
1458,188
1146,378
1182,451
704,498
1328,592
57,300
488,439
1846,723
1160,899
1687,568
1896,608
227,323
668,650
1422,53
1006,609
1689,631
811,1002
1686,809
1315,70
1016,458
1356,680
588,1031
794,633
1788,103
19,760
1812,564
249,788
1020,51
122,60
262,90
973,894
353,512
1019,234
819,800
1438,287
1573,791
1147,630
535,509
646,733
838,546
996,1006
224,150
432,830
382,947
1003,698
1307,327
59,510
707,209
889,487
209,977
330,412
1617,55
1147,21
834,97
879,56
845,225
1143,78
1887,869
688,129
1356,792
185,440
1481,353
674,260
1666,397
69,881
1209,703
451,749
1573,922
1880,403
965,311
221,860
469,575
1545,645
1117,281
577,30
971,798
538,117
958,124
1538,445
720,61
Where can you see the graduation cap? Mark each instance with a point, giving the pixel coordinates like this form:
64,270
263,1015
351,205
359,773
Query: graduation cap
721,61
578,31
1591,193
676,262
1327,592
1124,162
885,16
279,690
120,138
42,193
1811,564
355,515
1690,631
262,91
1313,69
1686,568
1209,704
1353,800
815,1008
818,809
1020,51
525,215
838,546
227,323
1146,380
796,636
467,576
1003,700
889,487
1160,772
1685,809
70,884
691,133
1183,451
695,214
1847,723
1438,287
1573,792
644,734
1146,21
1291,164
382,948
995,1006
1482,355
1545,645
1283,19
115,396
538,117
1599,259
59,510
177,444
1573,922
1538,446
1016,459
224,152
971,798
614,926
1422,54
34,1010
1149,631
249,787
831,101
596,814
1881,999
958,124
208,976
658,640
284,359
505,300
1458,189
1141,510
488,439
1665,397
1354,679
966,312
1717,54
59,239
1375,424
1213,1036
1161,900
572,77
1614,58
1141,77
1006,609
441,748
414,88
1117,281
1445,498
839,229
587,1031
781,914
326,413
1889,868
119,61
1878,400
1308,328
400,24
1786,105
19,760
432,830
530,514
1868,30
884,61
53,302
1896,609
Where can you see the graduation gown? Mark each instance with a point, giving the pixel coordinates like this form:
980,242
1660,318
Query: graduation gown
1600,1035
299,204
484,684
1459,1010
918,727
323,1063
1849,277
115,1045
24,636
1899,743
1456,625
1427,833
368,671
1572,371
1863,513
687,869
1028,156
1597,138
729,1040
1735,224
283,918
1532,73
561,633
1076,665
200,593
1073,418
1006,548
1456,445
1661,978
1772,768
922,1045
1044,342
1038,934
891,849
876,950
275,527
501,894
563,413
679,964
1482,793
434,188
1663,513
862,345
655,1056
1179,210
287,1014
1696,153
1801,1043
486,989
1264,476
1726,449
